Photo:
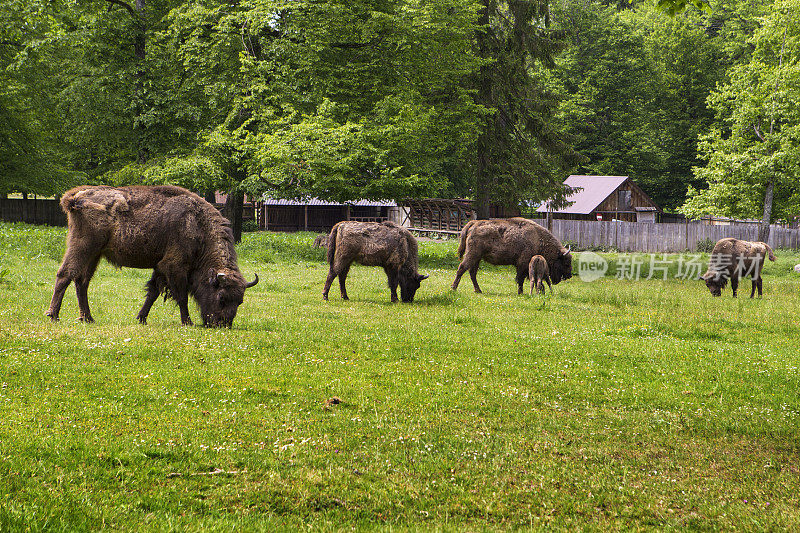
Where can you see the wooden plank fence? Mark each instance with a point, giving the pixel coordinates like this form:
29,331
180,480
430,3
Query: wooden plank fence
662,238
32,211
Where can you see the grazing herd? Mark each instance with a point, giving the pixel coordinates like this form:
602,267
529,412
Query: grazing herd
190,248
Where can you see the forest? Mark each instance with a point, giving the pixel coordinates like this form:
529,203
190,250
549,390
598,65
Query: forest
494,100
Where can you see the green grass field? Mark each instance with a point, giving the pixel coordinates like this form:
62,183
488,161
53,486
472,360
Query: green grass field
608,405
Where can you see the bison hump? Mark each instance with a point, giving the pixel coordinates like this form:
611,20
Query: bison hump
111,201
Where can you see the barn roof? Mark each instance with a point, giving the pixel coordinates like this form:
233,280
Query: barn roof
322,203
592,190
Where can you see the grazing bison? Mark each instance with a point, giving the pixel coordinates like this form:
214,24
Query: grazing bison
183,238
510,241
732,259
538,274
374,244
321,241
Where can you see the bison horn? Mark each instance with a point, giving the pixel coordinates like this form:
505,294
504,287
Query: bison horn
252,283
220,277
425,276
569,248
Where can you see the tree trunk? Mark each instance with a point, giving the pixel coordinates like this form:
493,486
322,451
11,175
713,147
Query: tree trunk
234,208
763,230
210,196
139,51
483,169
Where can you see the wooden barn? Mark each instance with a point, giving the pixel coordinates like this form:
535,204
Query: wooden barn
605,198
313,214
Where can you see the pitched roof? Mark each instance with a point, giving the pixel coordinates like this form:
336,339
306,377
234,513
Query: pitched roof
593,190
318,202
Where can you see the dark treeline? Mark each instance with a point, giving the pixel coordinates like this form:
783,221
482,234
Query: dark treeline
489,99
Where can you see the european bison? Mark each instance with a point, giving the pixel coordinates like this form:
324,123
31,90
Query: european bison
732,259
183,238
538,274
374,244
511,241
321,241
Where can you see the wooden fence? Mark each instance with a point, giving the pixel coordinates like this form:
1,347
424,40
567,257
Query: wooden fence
32,211
657,238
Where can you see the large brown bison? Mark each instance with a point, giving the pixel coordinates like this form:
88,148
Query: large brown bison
732,259
183,238
374,244
511,241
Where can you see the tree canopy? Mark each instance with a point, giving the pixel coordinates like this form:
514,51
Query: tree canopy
753,150
496,100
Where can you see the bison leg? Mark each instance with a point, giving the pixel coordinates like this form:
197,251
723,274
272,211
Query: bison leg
734,285
178,284
328,282
533,285
757,284
342,277
62,282
460,272
82,290
393,282
74,267
547,279
522,273
473,274
149,299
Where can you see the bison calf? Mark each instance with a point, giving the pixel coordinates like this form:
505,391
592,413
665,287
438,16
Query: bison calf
732,259
183,238
538,274
374,244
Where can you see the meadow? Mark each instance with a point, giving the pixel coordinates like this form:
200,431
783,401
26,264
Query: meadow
616,404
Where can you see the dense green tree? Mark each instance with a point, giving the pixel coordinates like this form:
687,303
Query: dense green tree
357,99
520,155
753,152
609,86
30,160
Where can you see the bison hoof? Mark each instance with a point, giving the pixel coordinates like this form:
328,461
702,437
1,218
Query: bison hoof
86,319
142,320
325,297
345,298
53,316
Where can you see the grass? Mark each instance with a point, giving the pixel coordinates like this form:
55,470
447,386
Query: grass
608,405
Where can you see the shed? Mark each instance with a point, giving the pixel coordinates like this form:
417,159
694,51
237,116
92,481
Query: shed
605,198
313,214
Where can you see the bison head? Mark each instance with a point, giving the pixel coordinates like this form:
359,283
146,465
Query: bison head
221,295
409,285
714,282
561,268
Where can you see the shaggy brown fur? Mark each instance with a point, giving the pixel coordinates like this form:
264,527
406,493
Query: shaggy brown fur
538,274
374,244
511,241
183,238
732,259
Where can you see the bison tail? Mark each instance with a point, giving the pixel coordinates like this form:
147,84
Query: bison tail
332,243
770,254
462,246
